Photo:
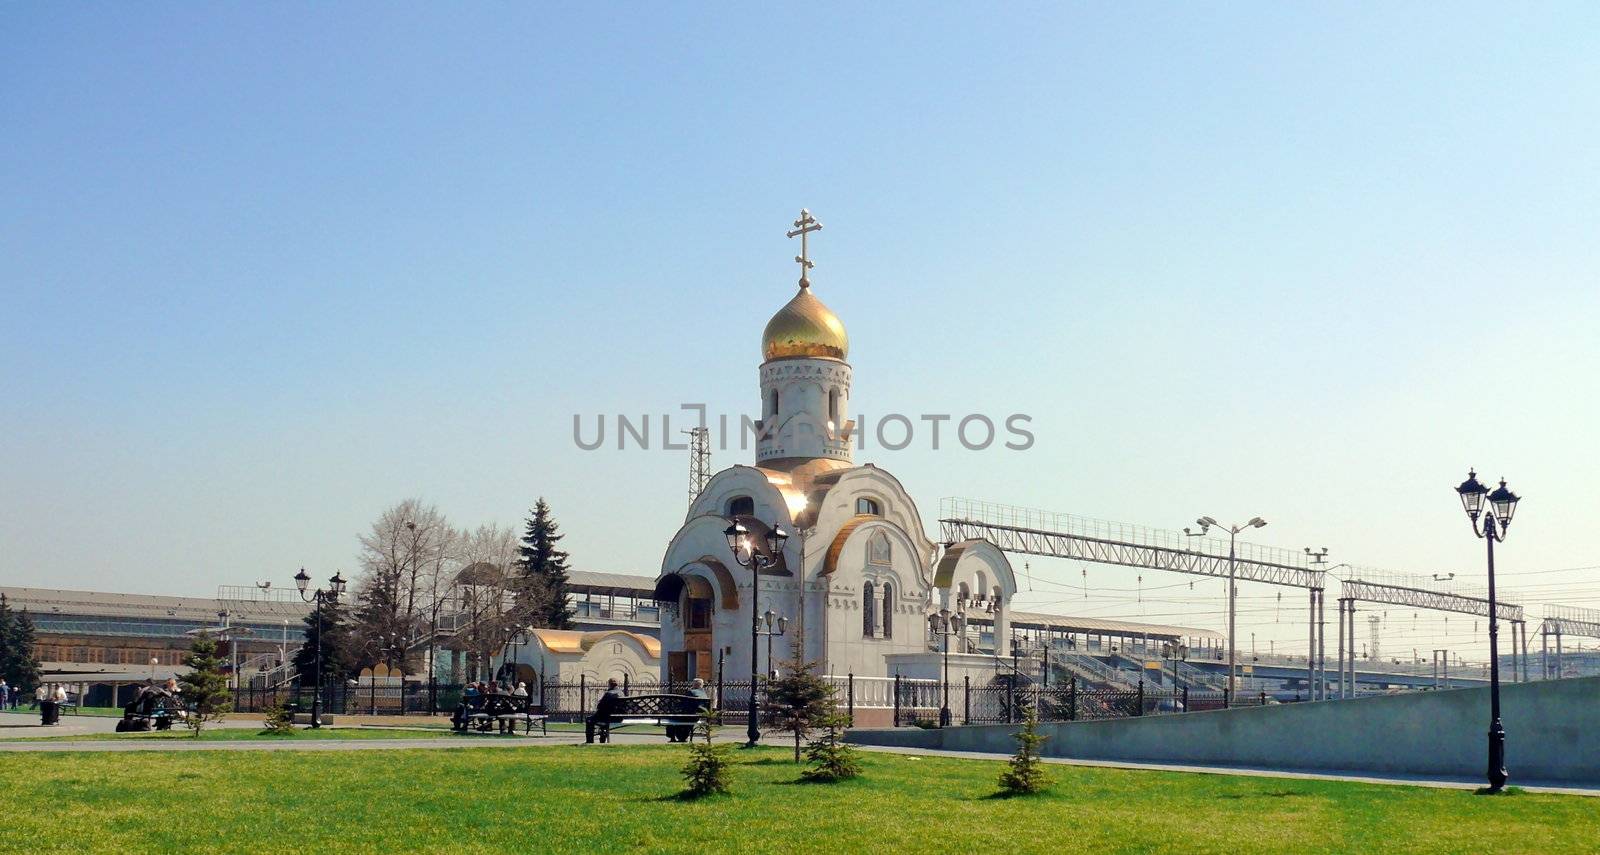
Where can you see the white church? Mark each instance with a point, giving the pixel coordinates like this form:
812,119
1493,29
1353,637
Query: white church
858,577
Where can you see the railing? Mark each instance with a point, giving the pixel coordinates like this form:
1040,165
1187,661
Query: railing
922,704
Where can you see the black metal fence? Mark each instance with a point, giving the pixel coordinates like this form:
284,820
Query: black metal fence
924,703
908,702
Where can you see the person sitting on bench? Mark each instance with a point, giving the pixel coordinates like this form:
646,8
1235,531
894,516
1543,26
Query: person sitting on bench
609,704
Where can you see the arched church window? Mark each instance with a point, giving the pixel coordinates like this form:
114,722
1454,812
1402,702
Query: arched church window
869,611
833,406
697,605
869,507
772,405
741,506
888,610
962,592
878,549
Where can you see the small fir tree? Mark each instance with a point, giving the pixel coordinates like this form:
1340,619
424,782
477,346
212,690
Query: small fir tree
1025,773
829,758
18,664
801,699
279,720
545,568
205,688
708,768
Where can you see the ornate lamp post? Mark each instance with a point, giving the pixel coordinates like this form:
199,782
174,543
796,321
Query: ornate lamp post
1233,533
1176,652
1496,519
745,552
776,625
944,624
336,586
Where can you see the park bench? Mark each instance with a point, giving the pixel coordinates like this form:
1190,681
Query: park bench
152,708
483,713
665,711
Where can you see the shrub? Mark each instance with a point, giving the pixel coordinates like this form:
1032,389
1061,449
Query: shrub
708,767
830,758
279,720
1025,771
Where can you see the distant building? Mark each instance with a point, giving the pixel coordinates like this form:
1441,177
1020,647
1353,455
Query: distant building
97,641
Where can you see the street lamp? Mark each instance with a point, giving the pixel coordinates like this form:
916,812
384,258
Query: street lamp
747,555
1496,519
1233,533
945,624
776,624
336,585
1175,651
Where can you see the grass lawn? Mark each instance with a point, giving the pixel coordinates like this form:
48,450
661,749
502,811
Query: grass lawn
598,799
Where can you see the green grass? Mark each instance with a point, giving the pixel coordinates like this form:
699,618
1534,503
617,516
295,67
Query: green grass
600,799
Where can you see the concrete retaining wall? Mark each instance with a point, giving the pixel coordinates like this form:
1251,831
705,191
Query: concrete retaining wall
1553,735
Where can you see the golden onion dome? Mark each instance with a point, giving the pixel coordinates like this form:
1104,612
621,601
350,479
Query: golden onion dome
805,327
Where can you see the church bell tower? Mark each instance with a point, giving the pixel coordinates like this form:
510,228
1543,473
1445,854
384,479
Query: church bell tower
805,381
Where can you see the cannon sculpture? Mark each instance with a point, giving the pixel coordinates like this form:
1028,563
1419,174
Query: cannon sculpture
153,708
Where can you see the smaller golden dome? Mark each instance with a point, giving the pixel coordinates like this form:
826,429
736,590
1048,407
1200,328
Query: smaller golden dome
805,327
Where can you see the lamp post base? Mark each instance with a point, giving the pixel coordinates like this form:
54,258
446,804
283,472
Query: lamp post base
1497,757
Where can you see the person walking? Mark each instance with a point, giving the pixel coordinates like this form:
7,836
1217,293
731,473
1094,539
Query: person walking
5,694
41,699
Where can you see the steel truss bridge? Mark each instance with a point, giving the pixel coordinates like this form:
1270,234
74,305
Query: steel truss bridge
1030,531
1559,621
1407,591
1035,532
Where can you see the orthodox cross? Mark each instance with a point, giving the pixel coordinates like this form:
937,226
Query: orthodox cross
802,227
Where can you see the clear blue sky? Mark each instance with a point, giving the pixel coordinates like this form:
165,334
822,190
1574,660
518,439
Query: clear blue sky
269,269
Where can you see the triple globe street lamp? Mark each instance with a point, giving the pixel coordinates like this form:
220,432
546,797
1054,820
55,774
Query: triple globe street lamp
1496,519
336,586
748,555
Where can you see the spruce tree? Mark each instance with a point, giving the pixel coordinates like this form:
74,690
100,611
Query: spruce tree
802,700
544,567
18,665
828,757
1024,774
707,769
204,688
338,655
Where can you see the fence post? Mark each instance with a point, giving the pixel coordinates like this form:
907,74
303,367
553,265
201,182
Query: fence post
850,692
1185,699
966,699
624,683
1263,697
719,687
583,691
1072,698
1139,710
896,700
